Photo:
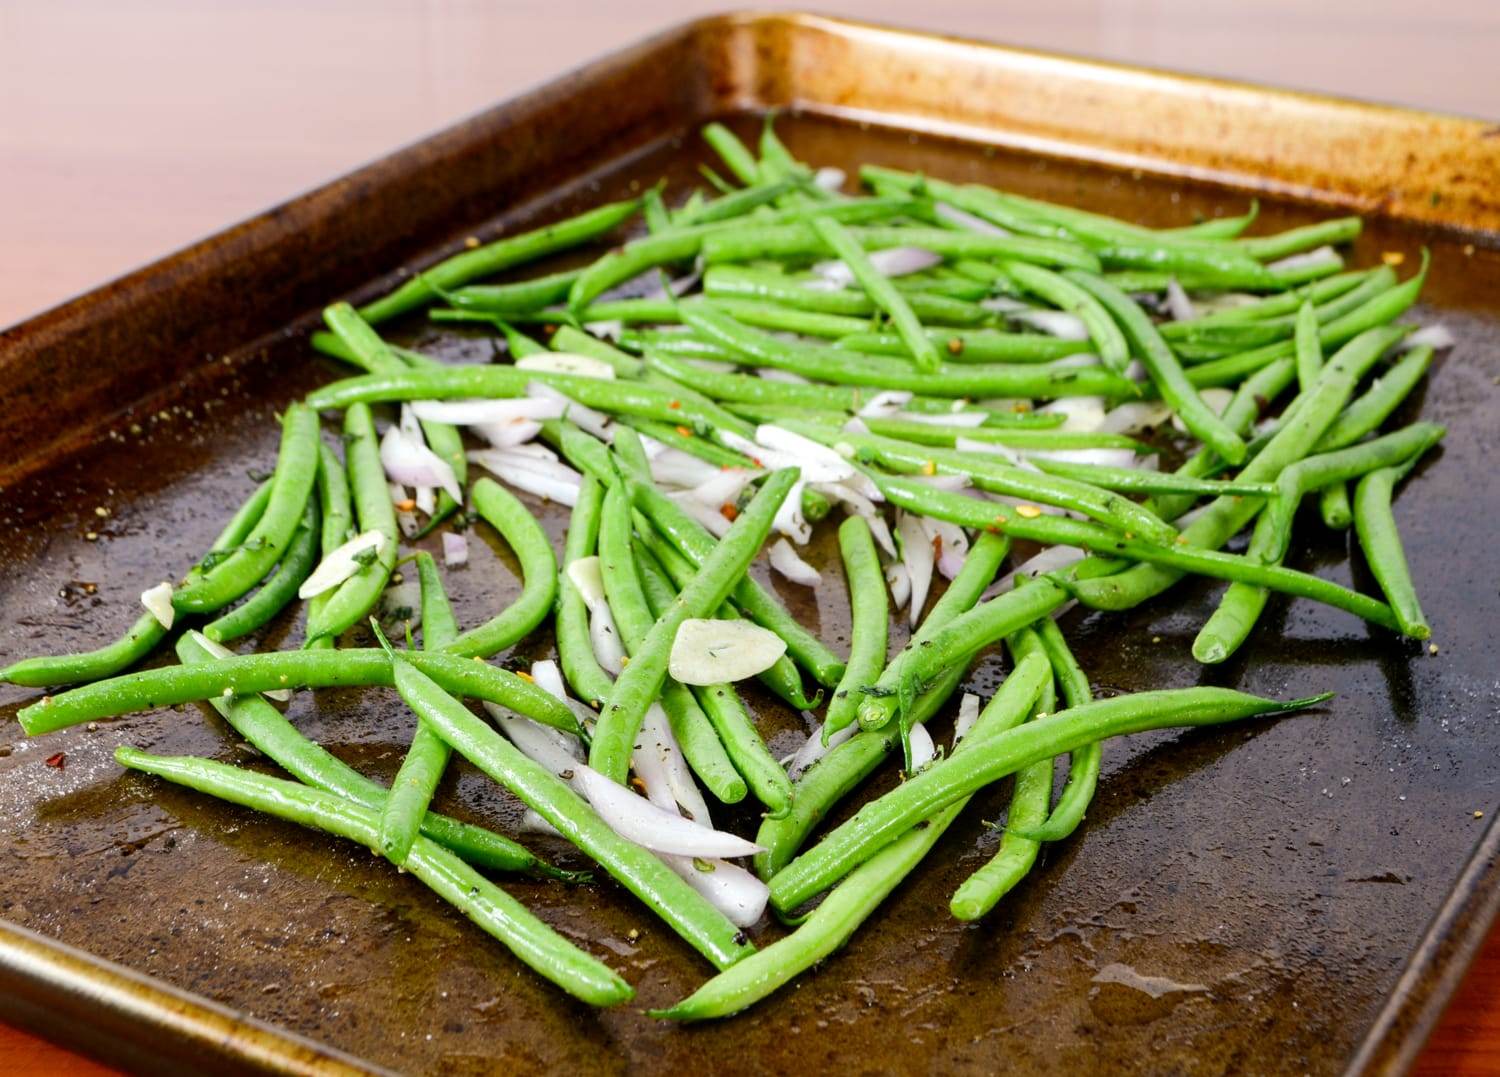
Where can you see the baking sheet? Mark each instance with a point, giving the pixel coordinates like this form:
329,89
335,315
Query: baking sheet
1240,899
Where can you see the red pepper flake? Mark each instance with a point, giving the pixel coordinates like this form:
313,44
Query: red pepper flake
728,511
58,760
685,431
675,405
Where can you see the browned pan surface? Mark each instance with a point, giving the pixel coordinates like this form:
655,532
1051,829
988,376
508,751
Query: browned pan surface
1240,900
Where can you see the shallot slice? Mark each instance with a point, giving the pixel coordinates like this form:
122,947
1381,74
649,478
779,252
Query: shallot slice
341,563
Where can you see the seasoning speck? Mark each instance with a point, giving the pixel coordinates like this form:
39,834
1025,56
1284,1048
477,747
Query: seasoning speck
1432,648
471,242
1030,512
1392,258
92,536
101,512
58,760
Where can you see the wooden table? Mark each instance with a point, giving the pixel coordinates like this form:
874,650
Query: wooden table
131,128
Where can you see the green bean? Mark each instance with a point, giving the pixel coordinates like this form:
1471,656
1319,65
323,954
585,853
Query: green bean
1309,348
735,154
1247,275
743,387
1062,293
1375,524
575,651
637,685
835,774
704,449
971,345
883,820
1218,227
143,636
489,907
829,364
843,246
1377,311
270,671
1226,516
685,243
636,869
751,312
338,522
979,568
721,703
832,923
1333,506
505,513
1166,374
569,339
700,744
517,344
654,210
996,476
782,678
757,603
869,617
964,631
630,398
417,779
300,557
44,671
500,255
1179,556
746,283
352,599
995,421
269,731
1274,308
1029,802
1146,481
1383,397
738,203
517,297
1305,238
941,435
296,466
1083,768
781,241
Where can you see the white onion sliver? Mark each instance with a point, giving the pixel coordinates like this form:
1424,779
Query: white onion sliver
770,373
584,573
829,178
1101,457
509,434
789,520
407,459
583,366
1084,414
158,600
951,418
455,549
950,542
218,650
813,749
784,560
968,714
683,790
968,221
899,261
1436,337
609,652
922,748
709,651
916,555
882,532
535,475
899,580
818,462
714,521
341,563
885,402
1057,323
1179,306
552,748
735,892
673,467
549,679
1135,416
637,819
1306,260
1049,560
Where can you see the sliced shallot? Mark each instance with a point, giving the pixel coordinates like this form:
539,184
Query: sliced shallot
636,819
158,600
341,563
784,560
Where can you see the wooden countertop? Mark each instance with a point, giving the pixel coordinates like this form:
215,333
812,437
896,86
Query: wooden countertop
131,128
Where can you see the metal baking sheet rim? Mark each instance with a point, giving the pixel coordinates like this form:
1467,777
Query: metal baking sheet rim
795,60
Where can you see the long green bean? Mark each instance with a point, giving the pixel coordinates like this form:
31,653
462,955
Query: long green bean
497,913
300,557
883,820
1375,524
869,617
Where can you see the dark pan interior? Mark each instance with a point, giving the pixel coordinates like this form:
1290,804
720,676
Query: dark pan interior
1240,899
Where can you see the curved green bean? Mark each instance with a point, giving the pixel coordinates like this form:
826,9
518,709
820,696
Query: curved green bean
970,345
265,727
349,602
504,512
748,283
1063,294
497,913
291,485
777,240
337,528
300,557
575,649
1083,767
502,254
1375,524
881,291
883,820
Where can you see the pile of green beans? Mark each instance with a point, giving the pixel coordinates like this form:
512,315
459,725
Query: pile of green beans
849,355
